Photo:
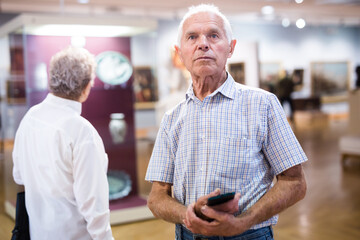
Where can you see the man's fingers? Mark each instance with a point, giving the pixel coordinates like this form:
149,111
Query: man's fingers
203,199
210,212
215,192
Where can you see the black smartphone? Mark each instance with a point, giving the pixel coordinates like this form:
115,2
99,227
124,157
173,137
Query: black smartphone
219,199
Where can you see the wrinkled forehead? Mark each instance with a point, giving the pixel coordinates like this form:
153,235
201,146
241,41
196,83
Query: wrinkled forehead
203,20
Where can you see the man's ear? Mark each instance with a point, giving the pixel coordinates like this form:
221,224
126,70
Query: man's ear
232,47
178,52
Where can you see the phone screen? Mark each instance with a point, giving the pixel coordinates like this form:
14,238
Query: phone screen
219,199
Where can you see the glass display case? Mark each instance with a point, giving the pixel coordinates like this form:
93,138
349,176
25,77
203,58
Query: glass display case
30,48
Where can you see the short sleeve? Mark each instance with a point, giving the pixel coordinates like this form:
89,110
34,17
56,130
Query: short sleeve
161,165
281,146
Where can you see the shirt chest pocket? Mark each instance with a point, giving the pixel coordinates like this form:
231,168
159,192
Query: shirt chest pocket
235,159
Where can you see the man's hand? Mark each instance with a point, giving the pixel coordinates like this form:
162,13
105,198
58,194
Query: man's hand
223,224
201,202
231,206
216,220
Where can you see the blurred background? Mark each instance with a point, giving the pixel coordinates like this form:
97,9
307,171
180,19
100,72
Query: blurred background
307,52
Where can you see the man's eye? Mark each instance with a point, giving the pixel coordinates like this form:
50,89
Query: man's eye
191,37
214,35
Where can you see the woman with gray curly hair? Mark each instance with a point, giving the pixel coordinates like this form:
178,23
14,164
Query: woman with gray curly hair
70,72
60,158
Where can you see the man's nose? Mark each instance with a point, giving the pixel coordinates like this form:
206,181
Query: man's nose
203,43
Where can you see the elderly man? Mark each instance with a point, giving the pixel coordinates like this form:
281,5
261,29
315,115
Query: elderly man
222,137
60,158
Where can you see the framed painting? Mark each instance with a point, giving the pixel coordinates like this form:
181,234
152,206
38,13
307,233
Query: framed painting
269,75
237,71
16,60
329,79
145,86
15,92
297,77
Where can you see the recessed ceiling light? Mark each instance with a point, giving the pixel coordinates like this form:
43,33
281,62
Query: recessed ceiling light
267,10
299,1
84,30
83,1
300,23
285,22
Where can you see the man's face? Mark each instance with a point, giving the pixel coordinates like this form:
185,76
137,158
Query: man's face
204,47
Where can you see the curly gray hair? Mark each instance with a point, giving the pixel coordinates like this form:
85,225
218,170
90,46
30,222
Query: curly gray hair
70,72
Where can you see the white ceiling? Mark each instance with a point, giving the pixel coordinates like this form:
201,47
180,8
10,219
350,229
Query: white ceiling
345,12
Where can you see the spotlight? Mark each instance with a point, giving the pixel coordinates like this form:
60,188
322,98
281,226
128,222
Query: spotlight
83,1
267,10
300,23
285,22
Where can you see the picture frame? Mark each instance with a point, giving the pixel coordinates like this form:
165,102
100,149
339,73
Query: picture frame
17,60
15,92
237,71
269,75
297,77
330,80
145,87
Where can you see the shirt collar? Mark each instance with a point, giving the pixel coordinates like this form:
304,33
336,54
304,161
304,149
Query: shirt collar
74,105
227,89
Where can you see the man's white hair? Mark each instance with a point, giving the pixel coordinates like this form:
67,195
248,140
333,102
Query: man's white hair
205,8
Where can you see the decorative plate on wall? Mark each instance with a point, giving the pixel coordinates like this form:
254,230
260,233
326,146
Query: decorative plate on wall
113,68
119,184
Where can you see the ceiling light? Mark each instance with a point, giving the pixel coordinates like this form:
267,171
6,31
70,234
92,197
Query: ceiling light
78,41
285,22
267,10
300,23
83,1
299,1
83,30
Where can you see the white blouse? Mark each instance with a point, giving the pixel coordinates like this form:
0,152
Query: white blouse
60,159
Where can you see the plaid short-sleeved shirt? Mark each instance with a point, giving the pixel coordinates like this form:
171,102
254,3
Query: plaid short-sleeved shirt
236,139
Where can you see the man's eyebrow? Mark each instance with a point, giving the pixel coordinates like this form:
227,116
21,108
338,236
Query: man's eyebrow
208,31
214,30
189,33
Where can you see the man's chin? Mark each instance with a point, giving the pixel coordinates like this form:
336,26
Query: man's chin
206,70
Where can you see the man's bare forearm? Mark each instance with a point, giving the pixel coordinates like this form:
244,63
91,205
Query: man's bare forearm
289,189
163,206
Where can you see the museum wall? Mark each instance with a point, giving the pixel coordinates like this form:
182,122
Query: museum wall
297,48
